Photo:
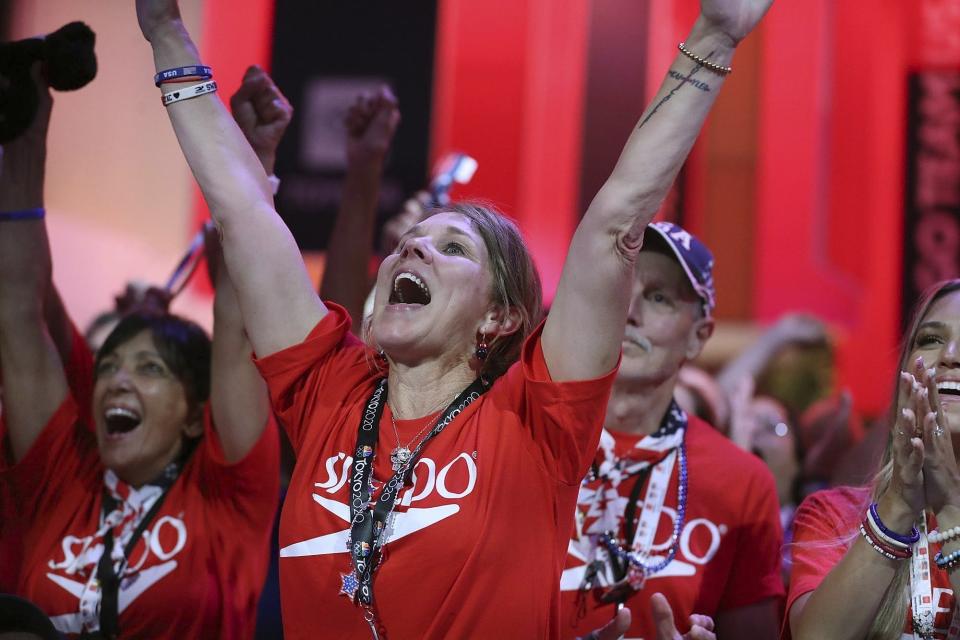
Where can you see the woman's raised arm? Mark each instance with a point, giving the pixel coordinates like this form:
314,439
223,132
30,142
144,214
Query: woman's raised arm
238,395
276,296
34,383
583,332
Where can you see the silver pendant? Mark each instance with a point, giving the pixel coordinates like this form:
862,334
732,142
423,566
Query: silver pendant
400,457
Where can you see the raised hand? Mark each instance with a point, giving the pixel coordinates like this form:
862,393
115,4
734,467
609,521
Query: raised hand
701,627
371,122
154,15
734,19
262,113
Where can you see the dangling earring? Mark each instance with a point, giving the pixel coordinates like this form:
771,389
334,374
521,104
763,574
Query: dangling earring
483,349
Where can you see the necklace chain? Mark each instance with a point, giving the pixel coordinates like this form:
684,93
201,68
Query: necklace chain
401,454
415,438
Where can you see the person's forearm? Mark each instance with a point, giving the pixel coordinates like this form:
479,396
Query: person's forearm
33,380
212,143
238,395
273,288
750,362
24,250
22,175
830,612
599,265
345,275
665,133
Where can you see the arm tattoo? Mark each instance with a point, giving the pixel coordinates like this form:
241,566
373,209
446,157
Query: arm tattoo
684,79
697,84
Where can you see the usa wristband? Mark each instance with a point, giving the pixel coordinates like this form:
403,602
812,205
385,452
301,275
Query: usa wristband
198,71
189,92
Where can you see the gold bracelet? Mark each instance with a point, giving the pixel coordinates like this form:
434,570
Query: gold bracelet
716,68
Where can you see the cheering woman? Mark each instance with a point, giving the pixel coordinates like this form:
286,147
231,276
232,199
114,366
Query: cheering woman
150,521
882,562
437,467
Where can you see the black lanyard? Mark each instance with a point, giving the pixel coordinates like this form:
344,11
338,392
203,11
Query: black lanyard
108,578
367,524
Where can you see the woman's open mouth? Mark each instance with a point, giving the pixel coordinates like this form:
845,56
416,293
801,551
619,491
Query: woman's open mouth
408,288
121,420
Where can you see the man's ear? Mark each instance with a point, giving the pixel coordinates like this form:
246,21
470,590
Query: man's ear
700,332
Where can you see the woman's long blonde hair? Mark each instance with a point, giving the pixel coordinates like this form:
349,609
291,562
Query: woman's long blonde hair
892,614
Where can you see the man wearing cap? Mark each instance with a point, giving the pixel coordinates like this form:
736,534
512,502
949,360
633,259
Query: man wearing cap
671,506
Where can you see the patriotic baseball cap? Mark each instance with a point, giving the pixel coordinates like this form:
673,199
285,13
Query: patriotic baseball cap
694,257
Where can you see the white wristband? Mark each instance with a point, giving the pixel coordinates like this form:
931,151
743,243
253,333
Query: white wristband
189,92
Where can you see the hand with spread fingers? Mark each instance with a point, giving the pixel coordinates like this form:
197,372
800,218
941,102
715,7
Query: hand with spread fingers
262,113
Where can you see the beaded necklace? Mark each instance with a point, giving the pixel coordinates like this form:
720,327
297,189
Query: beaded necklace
640,569
633,551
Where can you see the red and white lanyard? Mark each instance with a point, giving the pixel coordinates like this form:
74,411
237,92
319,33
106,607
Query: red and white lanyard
923,607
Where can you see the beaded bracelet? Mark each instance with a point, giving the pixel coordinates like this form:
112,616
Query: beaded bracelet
888,552
189,92
703,62
198,71
37,213
947,562
911,539
945,536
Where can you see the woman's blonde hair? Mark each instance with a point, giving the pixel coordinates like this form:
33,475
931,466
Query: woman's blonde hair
889,623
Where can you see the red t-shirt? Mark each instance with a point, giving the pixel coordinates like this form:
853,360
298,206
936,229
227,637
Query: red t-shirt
834,515
479,539
729,551
200,564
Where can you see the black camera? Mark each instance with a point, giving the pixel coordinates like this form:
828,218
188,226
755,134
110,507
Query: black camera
69,63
